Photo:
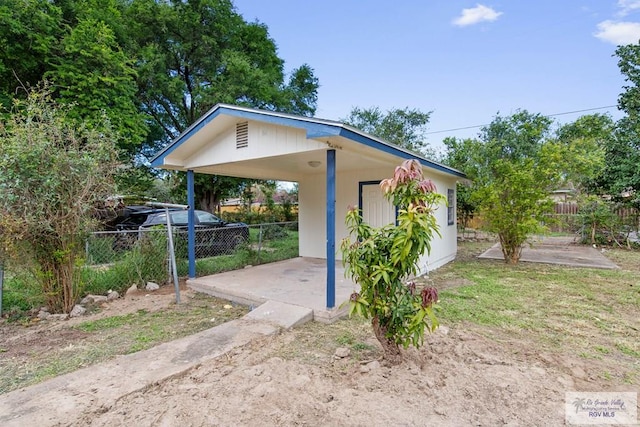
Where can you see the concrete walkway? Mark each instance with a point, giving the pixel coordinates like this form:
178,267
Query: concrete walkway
557,250
100,386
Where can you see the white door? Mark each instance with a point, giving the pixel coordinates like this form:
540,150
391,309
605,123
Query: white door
376,210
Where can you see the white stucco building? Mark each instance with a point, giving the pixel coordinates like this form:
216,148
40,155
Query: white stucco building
335,165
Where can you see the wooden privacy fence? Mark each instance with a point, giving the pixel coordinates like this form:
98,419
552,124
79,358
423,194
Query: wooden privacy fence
626,215
565,218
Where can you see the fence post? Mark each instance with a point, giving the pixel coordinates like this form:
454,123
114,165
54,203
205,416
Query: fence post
172,255
259,242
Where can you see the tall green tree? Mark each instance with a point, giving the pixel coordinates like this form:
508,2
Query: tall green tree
54,173
95,77
77,46
194,54
462,155
153,66
403,127
30,31
621,175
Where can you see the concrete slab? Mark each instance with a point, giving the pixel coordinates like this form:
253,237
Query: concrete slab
560,251
99,386
283,315
298,281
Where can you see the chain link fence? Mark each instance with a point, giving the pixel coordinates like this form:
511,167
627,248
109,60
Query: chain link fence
115,260
107,247
143,255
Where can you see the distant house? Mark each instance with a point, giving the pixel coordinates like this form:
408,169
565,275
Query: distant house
563,195
335,166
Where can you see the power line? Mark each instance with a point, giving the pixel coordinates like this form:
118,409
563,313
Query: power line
548,115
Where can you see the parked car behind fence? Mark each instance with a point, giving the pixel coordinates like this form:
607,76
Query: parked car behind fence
213,235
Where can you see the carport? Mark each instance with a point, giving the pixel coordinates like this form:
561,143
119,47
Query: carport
334,164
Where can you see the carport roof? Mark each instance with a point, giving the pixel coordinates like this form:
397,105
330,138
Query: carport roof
315,128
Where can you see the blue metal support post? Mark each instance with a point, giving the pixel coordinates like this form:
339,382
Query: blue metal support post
191,228
331,229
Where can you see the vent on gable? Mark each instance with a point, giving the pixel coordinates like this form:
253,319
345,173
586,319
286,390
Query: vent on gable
242,135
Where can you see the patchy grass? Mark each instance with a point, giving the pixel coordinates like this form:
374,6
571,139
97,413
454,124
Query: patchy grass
272,250
315,343
95,341
591,312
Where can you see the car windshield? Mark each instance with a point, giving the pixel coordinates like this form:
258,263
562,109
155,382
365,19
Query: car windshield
181,218
207,217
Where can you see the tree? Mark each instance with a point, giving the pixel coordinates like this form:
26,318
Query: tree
514,168
403,127
29,33
459,155
621,175
194,54
629,64
95,77
76,46
153,66
381,260
584,143
53,175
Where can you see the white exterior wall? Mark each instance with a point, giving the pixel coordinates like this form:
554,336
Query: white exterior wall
312,214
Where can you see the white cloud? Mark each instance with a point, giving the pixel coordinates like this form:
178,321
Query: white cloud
477,14
618,33
628,6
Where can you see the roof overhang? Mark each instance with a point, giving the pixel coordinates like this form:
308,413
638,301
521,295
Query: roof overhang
357,149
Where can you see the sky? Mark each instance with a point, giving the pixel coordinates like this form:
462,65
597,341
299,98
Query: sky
465,61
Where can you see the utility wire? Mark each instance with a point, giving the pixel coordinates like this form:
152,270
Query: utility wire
548,115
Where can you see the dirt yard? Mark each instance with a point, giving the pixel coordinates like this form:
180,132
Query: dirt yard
465,375
460,379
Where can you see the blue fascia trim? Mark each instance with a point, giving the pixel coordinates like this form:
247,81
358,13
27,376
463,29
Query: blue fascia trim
347,133
313,130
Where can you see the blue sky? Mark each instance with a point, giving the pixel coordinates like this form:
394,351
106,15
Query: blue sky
464,60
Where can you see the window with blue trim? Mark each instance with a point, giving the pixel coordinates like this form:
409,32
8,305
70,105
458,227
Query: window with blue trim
451,206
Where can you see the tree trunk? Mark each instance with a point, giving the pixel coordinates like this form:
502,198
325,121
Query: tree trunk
208,200
58,283
510,252
391,350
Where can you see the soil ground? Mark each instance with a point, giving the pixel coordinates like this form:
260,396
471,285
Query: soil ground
464,375
460,378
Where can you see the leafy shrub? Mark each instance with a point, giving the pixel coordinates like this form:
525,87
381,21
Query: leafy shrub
600,224
381,260
273,232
